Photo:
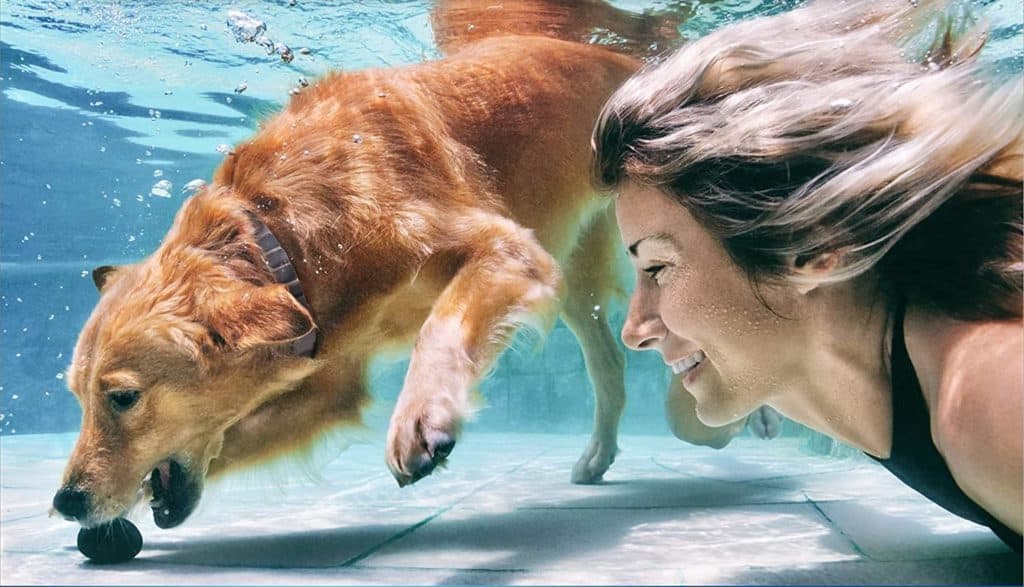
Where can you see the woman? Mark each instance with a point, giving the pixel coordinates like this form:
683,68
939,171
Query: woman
823,225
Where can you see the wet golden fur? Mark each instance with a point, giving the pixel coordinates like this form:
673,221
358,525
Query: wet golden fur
437,206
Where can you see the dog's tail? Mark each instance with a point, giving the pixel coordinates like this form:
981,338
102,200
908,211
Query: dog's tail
457,23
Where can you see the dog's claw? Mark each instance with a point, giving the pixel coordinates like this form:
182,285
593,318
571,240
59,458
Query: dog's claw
442,450
429,450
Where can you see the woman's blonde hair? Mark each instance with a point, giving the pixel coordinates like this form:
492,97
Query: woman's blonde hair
859,128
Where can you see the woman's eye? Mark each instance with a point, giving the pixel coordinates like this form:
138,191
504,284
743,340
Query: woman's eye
653,271
122,400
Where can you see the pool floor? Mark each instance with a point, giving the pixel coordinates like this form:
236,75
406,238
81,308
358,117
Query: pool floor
504,512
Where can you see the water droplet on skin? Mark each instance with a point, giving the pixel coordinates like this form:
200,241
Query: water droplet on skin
357,138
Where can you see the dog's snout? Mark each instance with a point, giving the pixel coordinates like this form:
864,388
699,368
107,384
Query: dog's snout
72,503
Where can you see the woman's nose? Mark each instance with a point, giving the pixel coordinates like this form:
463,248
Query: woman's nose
643,329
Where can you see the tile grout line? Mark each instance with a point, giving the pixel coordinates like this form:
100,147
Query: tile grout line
396,537
821,512
409,530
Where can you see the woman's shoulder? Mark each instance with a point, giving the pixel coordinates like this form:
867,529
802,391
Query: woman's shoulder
972,377
967,370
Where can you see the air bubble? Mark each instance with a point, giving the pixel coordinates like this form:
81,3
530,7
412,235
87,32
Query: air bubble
161,189
193,186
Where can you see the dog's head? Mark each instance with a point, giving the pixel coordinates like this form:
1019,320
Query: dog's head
179,347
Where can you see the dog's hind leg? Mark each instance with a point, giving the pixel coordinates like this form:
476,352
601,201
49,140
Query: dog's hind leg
506,280
591,280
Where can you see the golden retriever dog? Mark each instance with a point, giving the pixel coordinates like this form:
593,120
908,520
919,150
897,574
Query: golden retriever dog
436,207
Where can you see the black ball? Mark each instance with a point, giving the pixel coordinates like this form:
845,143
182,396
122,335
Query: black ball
114,542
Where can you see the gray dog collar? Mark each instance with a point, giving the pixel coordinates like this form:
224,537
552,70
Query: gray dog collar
281,267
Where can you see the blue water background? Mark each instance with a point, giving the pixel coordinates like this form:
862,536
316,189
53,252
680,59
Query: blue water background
101,101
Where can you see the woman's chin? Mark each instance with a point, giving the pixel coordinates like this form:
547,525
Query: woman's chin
716,415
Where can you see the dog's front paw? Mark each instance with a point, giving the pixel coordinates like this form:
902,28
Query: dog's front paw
419,441
765,422
599,455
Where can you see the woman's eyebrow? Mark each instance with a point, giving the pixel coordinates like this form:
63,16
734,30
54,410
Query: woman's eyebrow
660,237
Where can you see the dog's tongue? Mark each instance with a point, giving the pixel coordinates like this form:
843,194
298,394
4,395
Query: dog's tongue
165,474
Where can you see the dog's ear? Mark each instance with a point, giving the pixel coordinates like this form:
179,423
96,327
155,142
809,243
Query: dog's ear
104,276
258,316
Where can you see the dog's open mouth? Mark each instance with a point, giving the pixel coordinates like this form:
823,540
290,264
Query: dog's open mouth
175,493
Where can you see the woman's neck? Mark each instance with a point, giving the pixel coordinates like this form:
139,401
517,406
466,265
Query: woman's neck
845,388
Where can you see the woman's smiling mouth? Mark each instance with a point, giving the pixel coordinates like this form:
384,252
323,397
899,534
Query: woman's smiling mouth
688,364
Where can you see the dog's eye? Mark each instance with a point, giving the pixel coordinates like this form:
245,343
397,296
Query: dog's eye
124,399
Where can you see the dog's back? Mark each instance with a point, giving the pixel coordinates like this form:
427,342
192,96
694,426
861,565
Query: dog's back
458,23
503,125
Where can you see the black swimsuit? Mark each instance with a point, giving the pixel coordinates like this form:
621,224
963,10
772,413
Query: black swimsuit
914,458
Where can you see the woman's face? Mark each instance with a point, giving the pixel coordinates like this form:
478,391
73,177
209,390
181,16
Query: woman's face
696,307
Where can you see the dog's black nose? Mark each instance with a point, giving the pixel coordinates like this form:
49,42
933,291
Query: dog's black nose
71,503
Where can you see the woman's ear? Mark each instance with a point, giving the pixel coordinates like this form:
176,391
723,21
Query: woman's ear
810,271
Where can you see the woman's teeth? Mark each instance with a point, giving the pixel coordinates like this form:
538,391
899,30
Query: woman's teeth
687,363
